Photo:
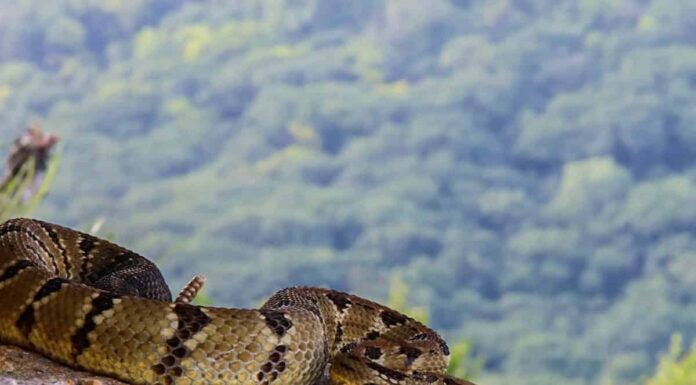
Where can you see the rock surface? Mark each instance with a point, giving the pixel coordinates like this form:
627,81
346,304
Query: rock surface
20,367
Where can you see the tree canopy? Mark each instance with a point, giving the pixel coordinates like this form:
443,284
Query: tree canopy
527,168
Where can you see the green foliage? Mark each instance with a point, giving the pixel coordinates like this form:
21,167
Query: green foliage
463,363
527,168
398,300
587,185
676,367
203,298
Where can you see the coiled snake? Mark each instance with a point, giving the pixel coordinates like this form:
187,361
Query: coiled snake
93,305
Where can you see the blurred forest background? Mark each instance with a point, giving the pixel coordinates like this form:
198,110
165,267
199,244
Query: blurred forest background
520,173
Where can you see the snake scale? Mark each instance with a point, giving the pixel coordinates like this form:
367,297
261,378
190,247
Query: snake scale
93,305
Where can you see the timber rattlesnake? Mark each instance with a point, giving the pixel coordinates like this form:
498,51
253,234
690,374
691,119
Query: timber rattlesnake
94,305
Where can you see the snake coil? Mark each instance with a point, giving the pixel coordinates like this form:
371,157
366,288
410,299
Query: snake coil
96,306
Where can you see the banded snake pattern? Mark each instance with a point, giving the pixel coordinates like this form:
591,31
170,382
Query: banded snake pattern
93,305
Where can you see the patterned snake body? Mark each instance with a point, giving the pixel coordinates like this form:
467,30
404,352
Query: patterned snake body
94,305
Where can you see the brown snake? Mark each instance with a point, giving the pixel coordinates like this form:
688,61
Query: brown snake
93,305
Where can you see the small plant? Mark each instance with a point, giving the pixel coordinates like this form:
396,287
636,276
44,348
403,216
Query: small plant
18,196
462,362
676,367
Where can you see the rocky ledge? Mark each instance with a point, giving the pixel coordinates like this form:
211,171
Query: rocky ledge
20,367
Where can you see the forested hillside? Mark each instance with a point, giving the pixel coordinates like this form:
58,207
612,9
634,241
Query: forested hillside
527,168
